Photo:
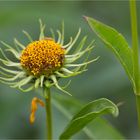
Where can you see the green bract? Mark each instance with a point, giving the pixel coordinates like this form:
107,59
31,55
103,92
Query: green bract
13,74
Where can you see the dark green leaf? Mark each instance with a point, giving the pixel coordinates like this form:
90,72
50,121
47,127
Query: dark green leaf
116,42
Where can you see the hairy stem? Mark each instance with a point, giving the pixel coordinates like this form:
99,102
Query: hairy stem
48,113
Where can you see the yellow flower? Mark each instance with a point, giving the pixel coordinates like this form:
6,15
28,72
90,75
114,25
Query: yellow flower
42,57
43,62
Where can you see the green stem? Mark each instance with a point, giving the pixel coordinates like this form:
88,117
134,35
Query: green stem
138,108
135,49
48,113
133,13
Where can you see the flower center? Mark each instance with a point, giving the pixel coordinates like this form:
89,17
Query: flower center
42,57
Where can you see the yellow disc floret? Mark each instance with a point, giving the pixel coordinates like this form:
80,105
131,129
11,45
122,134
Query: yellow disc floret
42,57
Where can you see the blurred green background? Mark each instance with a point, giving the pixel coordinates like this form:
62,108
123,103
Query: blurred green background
105,78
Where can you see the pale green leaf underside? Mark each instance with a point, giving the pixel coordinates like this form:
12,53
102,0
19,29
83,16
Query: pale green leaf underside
116,42
88,113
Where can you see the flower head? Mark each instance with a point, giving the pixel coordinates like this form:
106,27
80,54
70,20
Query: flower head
42,57
43,62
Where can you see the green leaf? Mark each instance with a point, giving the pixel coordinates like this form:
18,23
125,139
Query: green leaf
87,114
116,42
93,130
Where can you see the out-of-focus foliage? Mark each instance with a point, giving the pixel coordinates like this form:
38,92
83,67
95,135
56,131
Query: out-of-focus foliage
105,78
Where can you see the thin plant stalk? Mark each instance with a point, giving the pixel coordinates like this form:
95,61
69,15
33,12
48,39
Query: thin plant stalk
138,108
48,113
135,49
